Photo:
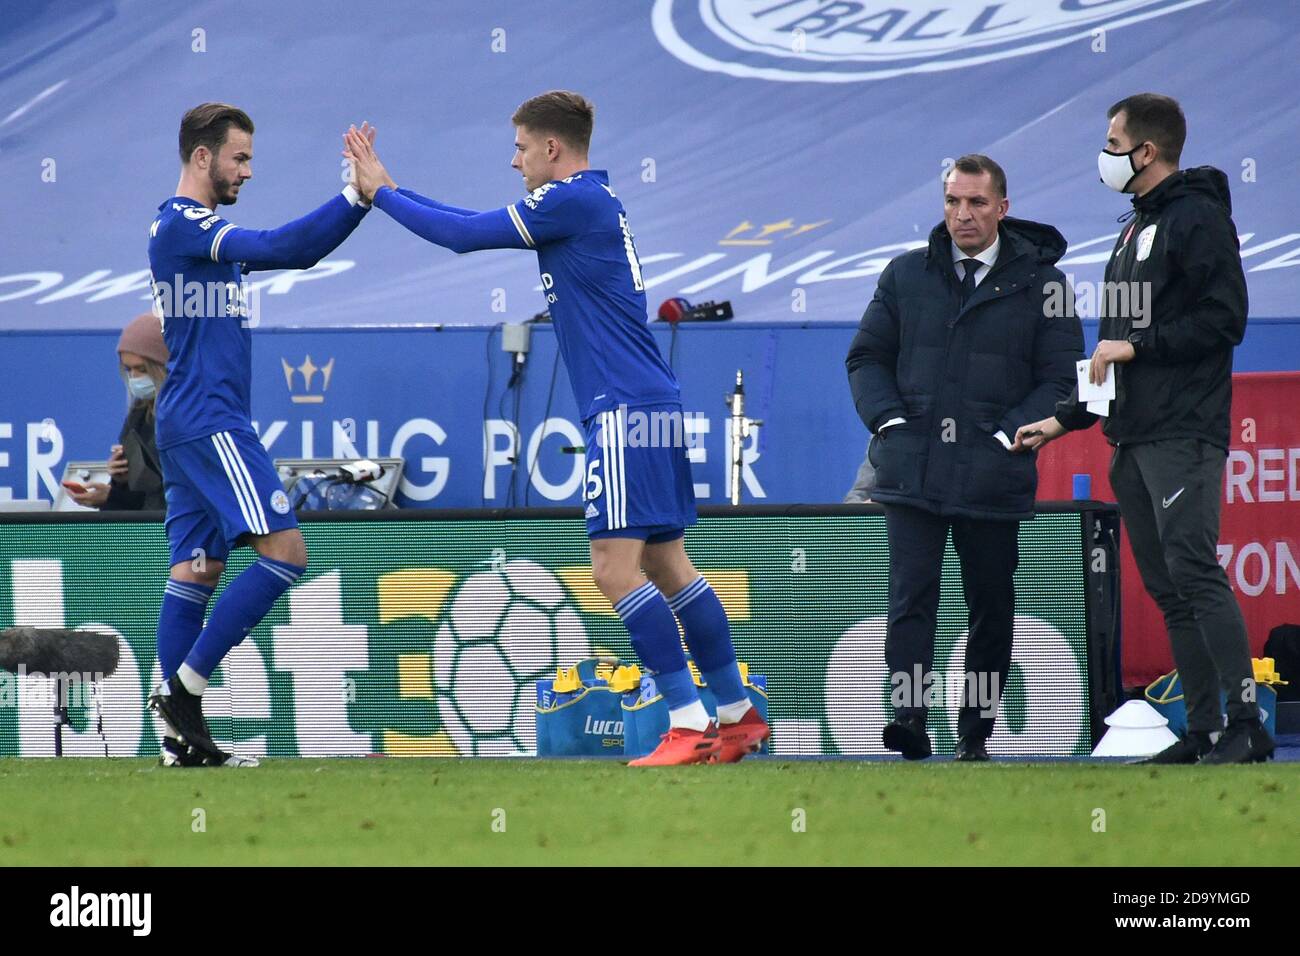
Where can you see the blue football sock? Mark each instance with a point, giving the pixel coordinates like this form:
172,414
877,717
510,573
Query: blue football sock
708,635
179,622
655,639
244,602
679,692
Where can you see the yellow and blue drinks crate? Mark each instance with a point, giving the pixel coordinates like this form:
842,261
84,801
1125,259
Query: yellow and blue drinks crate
601,707
578,712
1165,694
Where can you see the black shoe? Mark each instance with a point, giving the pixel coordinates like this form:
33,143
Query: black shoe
231,760
184,711
177,753
970,750
1188,748
907,736
1244,741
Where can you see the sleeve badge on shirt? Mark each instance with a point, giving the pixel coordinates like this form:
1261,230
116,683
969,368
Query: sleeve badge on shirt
1146,239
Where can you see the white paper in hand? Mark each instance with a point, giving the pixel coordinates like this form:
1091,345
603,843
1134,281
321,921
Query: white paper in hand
1097,397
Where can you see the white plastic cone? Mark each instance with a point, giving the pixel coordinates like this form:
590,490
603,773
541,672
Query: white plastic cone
1136,730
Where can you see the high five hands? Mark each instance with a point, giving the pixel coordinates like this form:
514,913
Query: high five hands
368,173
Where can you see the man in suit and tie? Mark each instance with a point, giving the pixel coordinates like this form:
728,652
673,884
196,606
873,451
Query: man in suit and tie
957,350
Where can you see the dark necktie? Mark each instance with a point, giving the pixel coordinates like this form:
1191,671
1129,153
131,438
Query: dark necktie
968,282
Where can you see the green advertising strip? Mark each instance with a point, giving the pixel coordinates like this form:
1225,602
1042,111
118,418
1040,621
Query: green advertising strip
424,636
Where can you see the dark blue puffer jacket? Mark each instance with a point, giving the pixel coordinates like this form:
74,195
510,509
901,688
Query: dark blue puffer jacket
959,375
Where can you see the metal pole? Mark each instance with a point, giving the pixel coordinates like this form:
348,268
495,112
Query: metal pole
736,404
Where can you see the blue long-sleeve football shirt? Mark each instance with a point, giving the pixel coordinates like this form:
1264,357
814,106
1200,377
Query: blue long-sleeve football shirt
197,258
591,278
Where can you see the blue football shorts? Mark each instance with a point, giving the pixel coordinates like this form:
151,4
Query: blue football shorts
638,474
219,490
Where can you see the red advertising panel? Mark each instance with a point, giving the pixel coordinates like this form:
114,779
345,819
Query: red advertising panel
1259,538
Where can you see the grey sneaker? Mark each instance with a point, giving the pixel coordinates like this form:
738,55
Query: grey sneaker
232,760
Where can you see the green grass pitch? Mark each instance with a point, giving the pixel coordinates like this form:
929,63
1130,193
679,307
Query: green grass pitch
493,812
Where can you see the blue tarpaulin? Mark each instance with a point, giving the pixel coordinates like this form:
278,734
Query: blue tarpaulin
772,152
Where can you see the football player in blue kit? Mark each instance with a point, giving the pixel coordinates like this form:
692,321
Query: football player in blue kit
639,499
222,490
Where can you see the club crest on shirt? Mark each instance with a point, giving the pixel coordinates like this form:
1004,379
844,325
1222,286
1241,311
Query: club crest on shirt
196,212
279,502
1146,239
535,197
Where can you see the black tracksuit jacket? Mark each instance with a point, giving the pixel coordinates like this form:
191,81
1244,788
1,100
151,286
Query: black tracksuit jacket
1184,316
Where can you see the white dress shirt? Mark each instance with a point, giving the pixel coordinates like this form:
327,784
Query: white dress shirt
988,257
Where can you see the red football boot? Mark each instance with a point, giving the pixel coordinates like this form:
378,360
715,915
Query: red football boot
681,746
742,738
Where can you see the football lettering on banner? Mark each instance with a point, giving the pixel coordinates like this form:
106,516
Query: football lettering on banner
414,638
812,41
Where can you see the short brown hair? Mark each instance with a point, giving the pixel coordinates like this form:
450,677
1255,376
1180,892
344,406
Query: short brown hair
976,163
1154,118
207,125
565,115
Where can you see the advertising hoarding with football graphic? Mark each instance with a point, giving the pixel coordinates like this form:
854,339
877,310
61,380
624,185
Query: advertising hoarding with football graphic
424,635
